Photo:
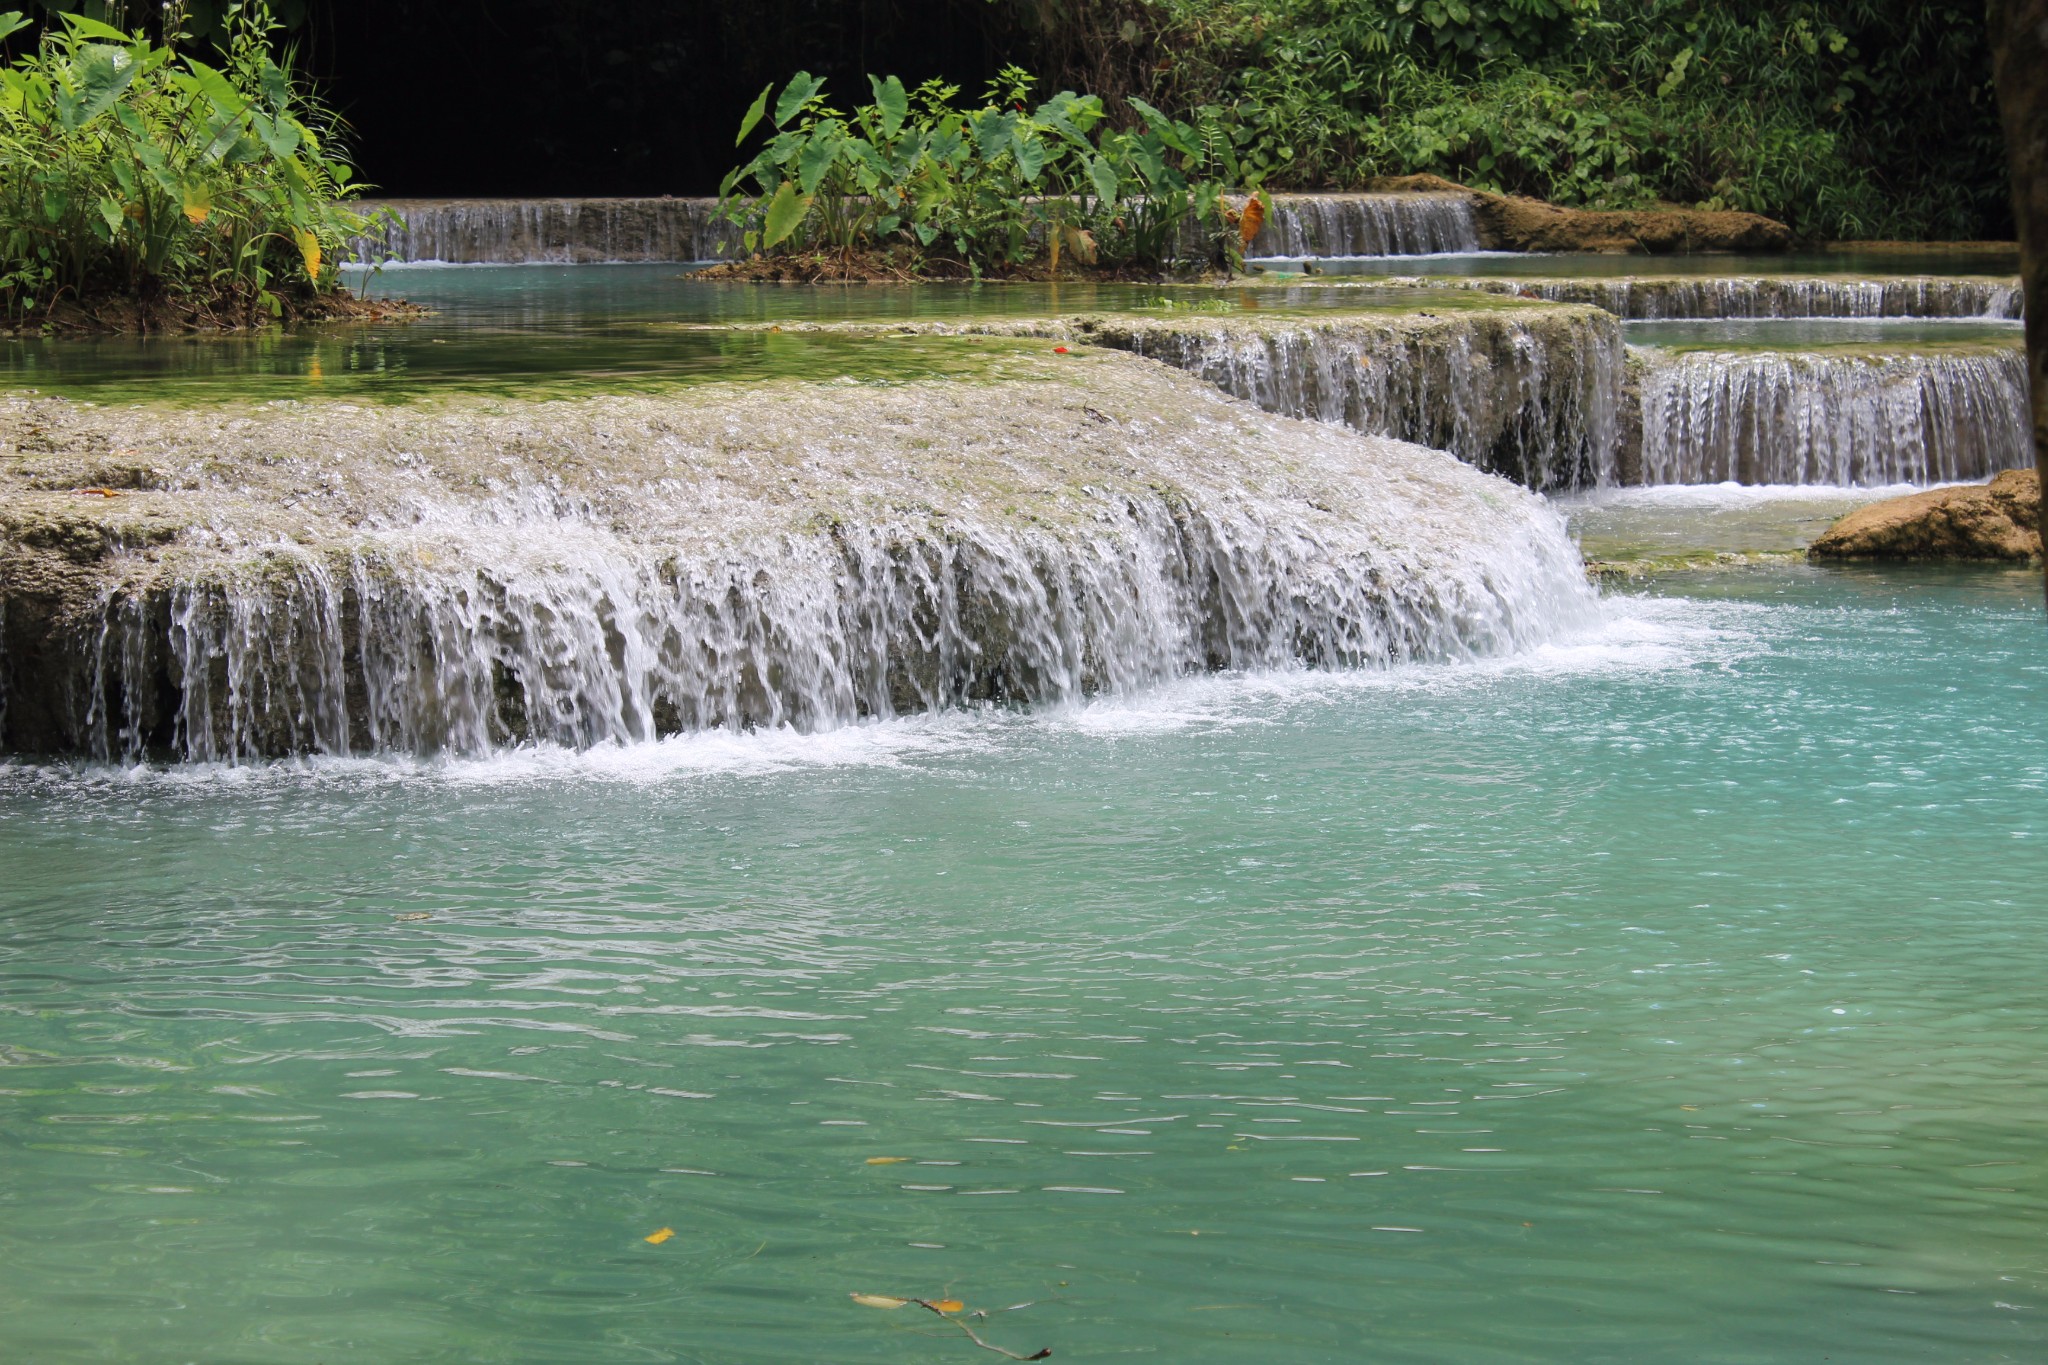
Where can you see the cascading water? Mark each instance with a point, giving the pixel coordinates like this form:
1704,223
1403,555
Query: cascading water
1367,225
1529,395
565,231
1766,296
1846,418
557,231
618,569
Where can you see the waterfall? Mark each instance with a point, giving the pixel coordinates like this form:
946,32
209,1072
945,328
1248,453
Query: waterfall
1367,225
1528,395
1833,418
569,231
557,231
617,569
1766,296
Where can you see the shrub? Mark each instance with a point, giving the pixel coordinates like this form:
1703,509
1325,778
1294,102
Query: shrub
1840,117
987,187
129,170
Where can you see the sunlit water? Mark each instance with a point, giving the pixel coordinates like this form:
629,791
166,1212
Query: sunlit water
570,330
1673,994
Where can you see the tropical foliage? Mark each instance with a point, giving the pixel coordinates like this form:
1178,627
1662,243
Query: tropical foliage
131,170
987,187
1845,118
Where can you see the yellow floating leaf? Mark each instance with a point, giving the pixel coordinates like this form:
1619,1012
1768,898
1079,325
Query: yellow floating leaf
886,1160
877,1300
944,1305
660,1235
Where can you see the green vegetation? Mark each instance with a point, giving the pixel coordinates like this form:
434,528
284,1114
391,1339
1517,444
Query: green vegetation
141,186
982,189
1842,118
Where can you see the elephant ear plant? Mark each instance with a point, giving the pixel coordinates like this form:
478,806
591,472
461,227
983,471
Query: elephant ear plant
944,189
144,184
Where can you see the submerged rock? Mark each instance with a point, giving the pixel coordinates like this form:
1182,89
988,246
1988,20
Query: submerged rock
2000,520
453,576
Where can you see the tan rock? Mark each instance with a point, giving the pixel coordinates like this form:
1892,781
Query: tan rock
1998,520
1509,222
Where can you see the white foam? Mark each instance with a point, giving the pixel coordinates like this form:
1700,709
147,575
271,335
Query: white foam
1731,495
1635,636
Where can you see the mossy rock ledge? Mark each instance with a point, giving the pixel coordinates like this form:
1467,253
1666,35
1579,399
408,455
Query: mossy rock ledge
1510,222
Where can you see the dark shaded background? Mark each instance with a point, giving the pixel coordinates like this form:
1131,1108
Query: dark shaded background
605,97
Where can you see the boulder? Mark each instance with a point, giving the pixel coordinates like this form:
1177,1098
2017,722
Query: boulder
2000,520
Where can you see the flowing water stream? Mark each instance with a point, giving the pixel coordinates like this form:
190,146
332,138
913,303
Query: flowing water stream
662,807
1668,995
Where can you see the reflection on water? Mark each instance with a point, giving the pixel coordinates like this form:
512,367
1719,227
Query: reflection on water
580,329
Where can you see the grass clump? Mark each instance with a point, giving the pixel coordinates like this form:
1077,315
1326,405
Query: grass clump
142,188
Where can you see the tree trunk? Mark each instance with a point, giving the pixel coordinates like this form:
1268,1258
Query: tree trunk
2019,68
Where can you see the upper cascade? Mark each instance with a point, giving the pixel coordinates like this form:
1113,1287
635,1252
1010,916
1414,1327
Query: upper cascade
577,231
459,576
1409,224
1833,417
548,231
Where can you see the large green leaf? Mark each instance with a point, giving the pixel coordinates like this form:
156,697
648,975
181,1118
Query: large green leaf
785,215
1178,136
817,158
993,132
204,80
104,75
894,102
1030,153
1103,176
799,92
83,27
1057,114
754,113
11,22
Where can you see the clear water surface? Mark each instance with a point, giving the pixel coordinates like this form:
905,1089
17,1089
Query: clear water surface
1670,996
567,330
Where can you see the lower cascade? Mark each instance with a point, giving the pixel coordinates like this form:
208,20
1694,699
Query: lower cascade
1840,418
1770,296
323,578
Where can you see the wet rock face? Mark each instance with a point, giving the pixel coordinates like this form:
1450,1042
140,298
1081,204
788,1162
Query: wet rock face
1995,521
457,575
